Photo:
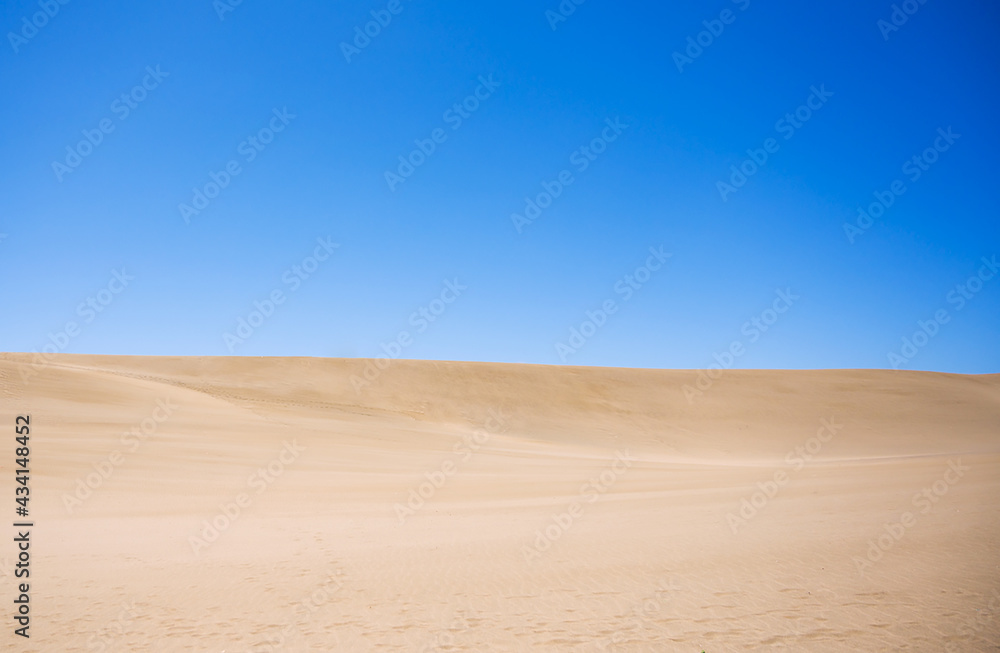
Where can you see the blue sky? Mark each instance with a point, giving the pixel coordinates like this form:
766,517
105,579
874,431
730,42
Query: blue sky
551,87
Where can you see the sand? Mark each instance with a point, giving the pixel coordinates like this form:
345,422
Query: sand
276,504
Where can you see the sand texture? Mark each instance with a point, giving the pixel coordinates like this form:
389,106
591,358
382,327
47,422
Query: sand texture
270,504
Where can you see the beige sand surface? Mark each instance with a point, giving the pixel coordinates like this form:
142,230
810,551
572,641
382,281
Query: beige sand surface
562,508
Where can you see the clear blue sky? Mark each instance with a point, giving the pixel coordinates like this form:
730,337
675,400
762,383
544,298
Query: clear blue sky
549,93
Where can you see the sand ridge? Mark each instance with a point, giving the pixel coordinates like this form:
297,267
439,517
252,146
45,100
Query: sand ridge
266,504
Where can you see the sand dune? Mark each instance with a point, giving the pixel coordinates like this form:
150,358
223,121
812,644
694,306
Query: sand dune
266,504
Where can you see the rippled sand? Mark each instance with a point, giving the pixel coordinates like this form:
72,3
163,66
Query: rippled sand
259,504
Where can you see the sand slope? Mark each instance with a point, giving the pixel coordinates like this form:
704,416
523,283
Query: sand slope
471,507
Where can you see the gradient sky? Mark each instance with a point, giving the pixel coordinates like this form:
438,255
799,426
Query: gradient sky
323,176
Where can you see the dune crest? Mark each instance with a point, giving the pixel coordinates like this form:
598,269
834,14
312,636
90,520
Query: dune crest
257,504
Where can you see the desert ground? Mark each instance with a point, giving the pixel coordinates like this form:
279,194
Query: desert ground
305,504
